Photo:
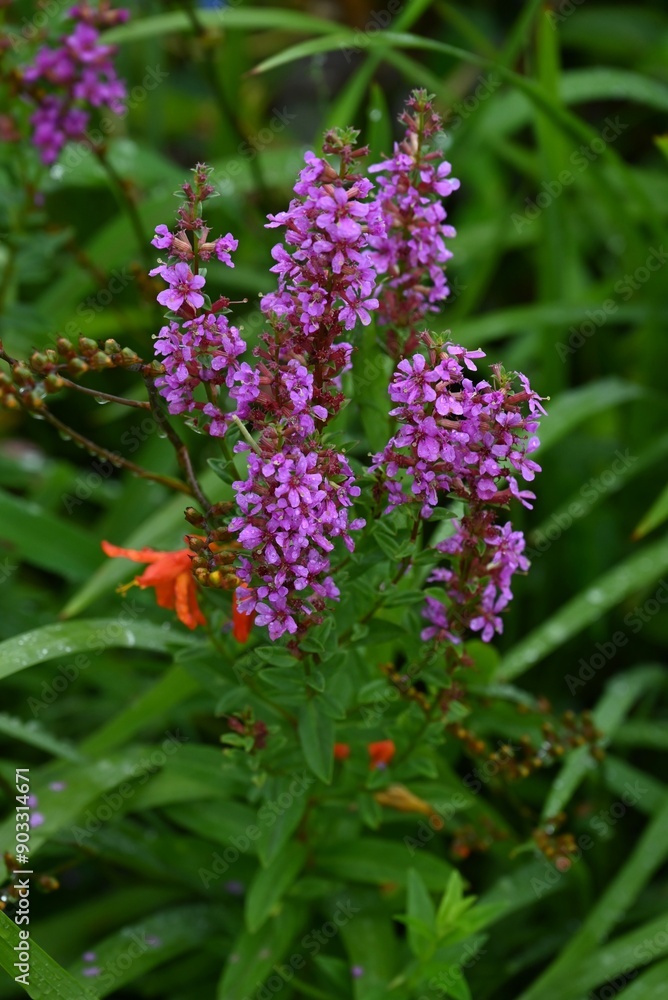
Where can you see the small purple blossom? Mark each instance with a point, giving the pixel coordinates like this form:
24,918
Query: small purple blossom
183,287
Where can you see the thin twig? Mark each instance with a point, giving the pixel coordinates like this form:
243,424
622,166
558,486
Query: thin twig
179,446
113,457
226,111
137,403
126,202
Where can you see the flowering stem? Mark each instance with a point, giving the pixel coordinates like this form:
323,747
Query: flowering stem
179,446
113,457
126,202
137,403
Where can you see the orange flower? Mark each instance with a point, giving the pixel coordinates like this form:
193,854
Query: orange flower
170,574
241,623
341,751
381,753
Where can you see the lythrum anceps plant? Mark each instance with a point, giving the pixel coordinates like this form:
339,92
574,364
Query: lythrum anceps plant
343,593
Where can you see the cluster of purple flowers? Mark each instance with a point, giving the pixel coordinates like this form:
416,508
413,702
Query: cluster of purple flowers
411,253
293,504
328,276
198,345
492,554
350,250
67,80
469,440
458,436
298,494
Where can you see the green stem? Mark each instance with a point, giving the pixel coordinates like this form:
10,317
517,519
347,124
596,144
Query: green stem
224,108
179,446
127,204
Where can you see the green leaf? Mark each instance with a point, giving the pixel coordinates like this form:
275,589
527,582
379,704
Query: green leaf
578,967
452,905
34,735
224,469
219,821
655,516
271,883
579,405
256,954
604,82
316,734
172,689
133,951
47,541
370,941
93,636
376,861
84,784
651,985
229,18
47,979
419,907
620,695
635,573
303,50
279,822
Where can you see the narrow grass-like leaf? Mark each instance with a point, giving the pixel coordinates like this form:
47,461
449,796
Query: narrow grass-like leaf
619,774
376,861
84,783
578,968
256,954
33,734
171,689
655,516
270,884
47,541
578,405
636,572
47,979
92,636
228,18
316,733
135,950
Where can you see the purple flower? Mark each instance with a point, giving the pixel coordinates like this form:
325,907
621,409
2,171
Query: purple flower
183,287
163,239
66,81
412,251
